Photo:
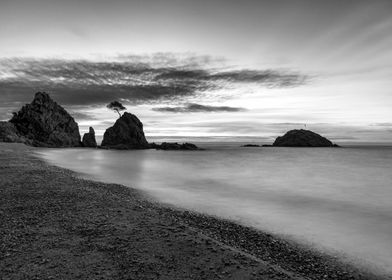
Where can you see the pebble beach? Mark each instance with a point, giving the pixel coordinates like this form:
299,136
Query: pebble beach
55,225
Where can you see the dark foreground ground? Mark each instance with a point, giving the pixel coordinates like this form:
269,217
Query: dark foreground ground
54,225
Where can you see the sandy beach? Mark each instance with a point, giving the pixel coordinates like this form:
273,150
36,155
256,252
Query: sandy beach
55,225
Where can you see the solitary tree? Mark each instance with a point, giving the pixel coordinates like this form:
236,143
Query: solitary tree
116,106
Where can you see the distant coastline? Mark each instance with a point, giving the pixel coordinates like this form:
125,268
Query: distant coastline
243,140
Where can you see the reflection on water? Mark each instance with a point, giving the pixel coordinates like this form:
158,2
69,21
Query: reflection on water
338,199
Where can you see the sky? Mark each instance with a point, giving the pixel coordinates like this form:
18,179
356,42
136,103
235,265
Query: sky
221,69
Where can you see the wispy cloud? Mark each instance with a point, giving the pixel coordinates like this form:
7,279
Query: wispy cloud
266,77
197,108
136,79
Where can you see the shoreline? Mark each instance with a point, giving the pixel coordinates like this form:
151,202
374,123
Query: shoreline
58,225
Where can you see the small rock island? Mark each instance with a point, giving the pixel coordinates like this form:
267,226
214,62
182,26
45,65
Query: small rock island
302,138
126,133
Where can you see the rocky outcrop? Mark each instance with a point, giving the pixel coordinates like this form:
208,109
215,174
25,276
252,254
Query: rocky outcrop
126,133
302,138
174,146
89,139
46,124
9,133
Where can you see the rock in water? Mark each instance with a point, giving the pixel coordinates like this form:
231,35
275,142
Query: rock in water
46,123
126,133
251,146
89,139
174,146
9,133
302,138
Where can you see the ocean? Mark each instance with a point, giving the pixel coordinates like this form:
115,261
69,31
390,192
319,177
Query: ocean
336,199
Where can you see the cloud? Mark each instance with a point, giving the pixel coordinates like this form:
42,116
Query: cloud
197,108
267,77
134,79
78,115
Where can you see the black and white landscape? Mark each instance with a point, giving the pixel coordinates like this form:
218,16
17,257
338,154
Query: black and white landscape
181,139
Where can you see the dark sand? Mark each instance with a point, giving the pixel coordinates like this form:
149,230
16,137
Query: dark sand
54,225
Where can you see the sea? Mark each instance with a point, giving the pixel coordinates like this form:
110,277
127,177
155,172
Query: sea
338,200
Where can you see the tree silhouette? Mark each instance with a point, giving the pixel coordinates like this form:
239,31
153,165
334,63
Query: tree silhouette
116,106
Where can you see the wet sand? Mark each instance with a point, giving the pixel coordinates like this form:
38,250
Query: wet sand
55,225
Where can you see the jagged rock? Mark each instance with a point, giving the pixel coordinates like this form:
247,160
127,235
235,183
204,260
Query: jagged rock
9,133
302,138
174,146
89,139
46,123
126,133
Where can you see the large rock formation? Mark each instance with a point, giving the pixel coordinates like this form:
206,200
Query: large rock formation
126,133
9,133
46,123
302,138
89,139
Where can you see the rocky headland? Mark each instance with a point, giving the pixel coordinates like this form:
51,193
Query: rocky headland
44,123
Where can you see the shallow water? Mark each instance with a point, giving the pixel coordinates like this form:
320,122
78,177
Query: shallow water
336,199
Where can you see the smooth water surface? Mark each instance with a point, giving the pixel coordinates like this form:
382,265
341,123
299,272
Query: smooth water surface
338,199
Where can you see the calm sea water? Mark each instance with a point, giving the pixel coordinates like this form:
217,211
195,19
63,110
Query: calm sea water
336,199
